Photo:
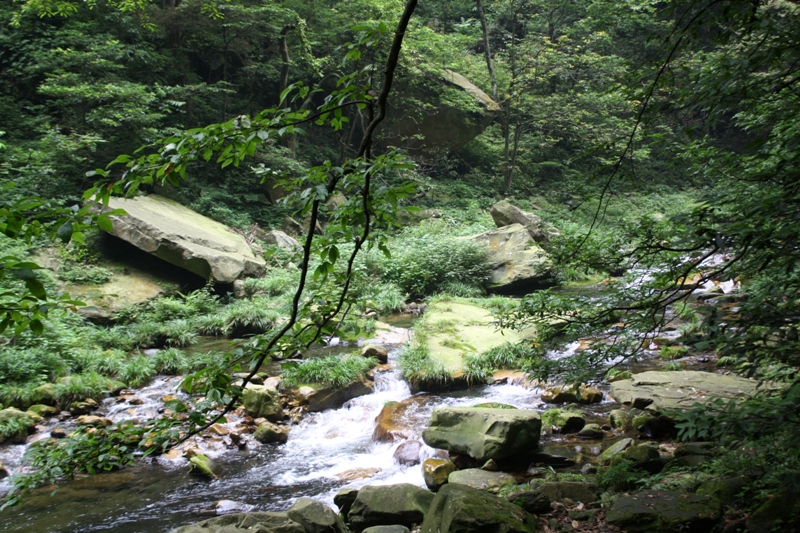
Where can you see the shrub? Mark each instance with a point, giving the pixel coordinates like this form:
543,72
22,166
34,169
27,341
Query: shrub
24,365
138,370
84,274
622,475
79,387
171,361
338,371
423,265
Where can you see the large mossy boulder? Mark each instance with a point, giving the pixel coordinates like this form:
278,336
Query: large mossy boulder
441,113
178,235
458,328
316,517
659,391
245,523
779,513
665,512
484,434
463,509
517,262
261,401
577,491
403,504
18,425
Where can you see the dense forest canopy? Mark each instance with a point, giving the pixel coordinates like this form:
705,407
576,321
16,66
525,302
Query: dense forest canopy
660,138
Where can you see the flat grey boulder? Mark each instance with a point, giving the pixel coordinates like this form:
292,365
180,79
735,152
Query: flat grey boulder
659,391
484,434
245,523
517,261
463,509
665,512
481,479
402,504
178,235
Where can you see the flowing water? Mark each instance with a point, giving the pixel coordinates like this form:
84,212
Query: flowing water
326,452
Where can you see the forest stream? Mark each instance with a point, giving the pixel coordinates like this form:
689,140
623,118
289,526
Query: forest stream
326,452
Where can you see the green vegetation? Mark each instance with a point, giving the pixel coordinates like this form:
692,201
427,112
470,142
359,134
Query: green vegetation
337,371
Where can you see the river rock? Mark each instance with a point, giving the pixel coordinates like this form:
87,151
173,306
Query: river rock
591,431
245,523
484,434
505,214
43,410
562,421
344,500
724,489
83,407
391,424
316,517
614,450
187,239
408,453
518,263
436,472
463,509
45,394
377,351
620,419
532,501
21,419
576,491
203,466
658,391
322,397
664,511
387,529
94,421
269,433
778,513
582,394
644,455
402,504
261,401
481,479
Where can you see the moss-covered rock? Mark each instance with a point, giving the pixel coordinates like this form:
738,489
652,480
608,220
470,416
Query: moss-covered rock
665,512
244,523
316,517
614,450
344,500
269,433
435,472
462,509
563,421
261,401
481,479
402,504
582,394
201,465
577,491
484,434
778,513
43,410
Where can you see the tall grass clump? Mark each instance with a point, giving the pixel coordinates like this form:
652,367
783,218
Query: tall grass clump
138,370
334,370
479,368
79,387
417,366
